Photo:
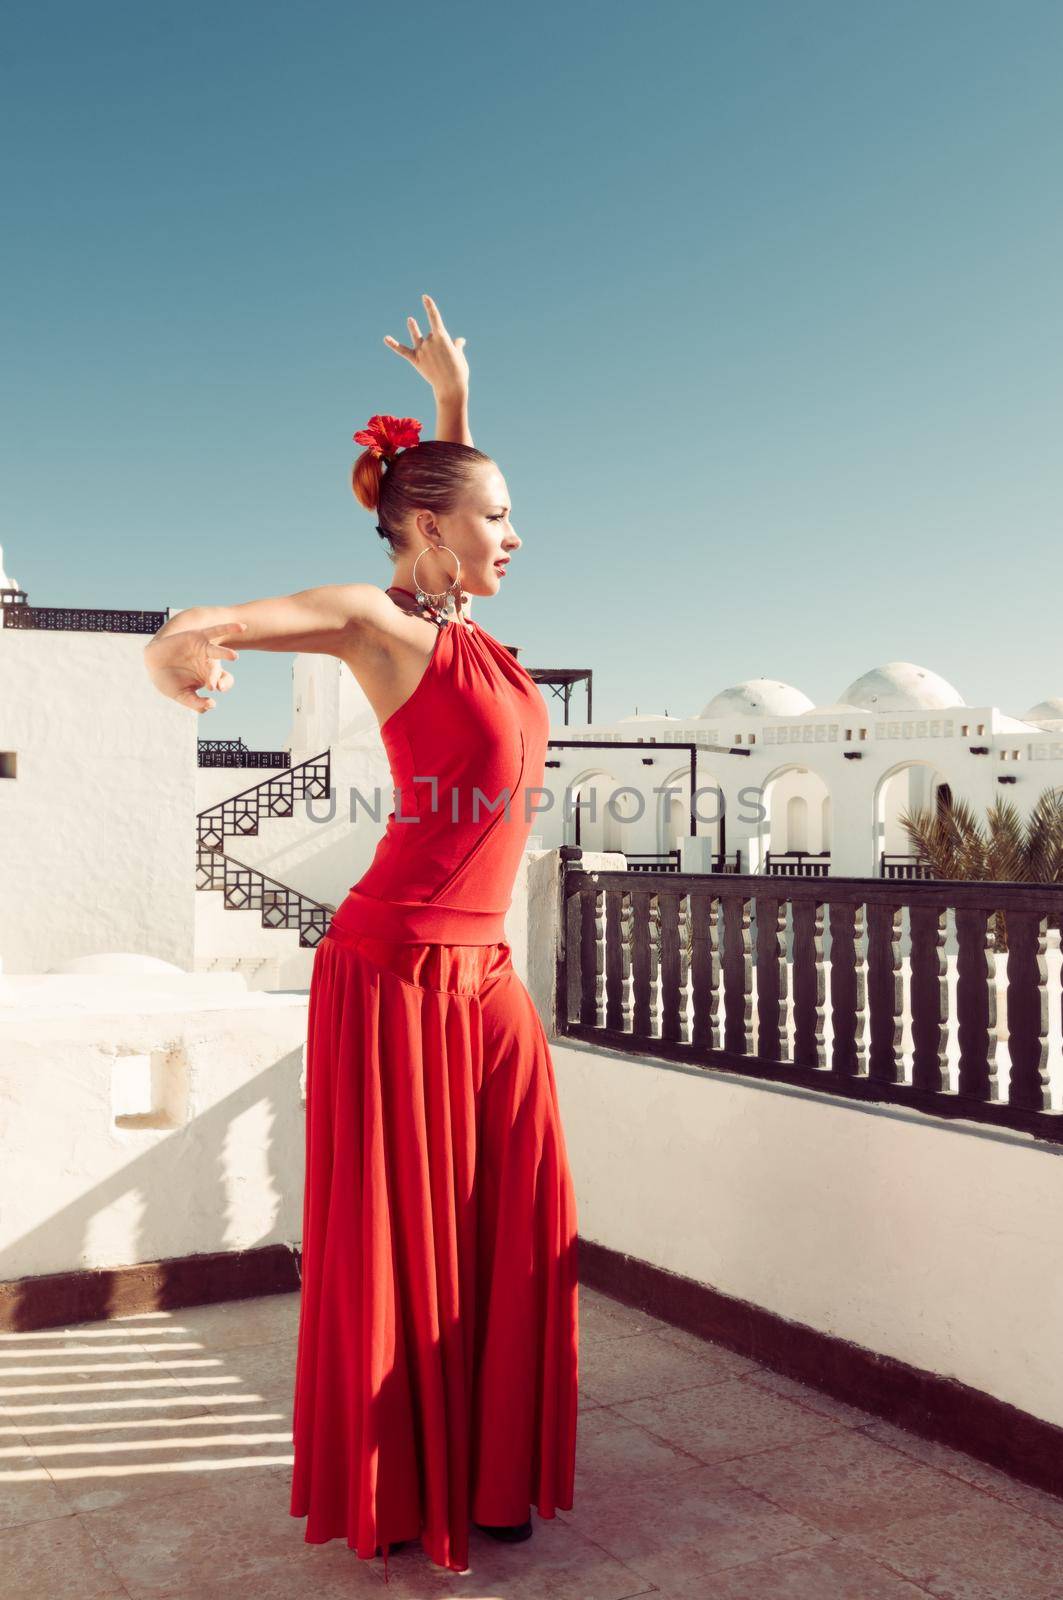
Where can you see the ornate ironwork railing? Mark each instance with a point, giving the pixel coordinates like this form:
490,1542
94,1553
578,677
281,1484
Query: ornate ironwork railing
247,889
240,814
81,620
673,965
235,753
903,866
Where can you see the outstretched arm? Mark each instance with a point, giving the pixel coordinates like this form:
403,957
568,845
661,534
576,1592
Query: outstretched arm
441,362
187,652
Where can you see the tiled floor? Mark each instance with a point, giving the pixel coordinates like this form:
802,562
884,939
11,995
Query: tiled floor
151,1458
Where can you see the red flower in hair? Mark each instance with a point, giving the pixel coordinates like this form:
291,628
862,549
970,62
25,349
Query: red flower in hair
385,435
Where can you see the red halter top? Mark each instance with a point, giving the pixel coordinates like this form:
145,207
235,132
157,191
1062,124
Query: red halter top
467,753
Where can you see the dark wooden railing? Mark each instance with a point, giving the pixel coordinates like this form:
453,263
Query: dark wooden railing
797,863
663,964
903,866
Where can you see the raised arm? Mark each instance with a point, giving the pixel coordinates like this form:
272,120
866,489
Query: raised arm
441,362
452,418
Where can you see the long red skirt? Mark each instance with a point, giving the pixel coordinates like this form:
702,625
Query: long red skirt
436,1368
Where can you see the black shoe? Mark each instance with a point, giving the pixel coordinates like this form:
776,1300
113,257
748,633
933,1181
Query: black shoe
396,1544
510,1533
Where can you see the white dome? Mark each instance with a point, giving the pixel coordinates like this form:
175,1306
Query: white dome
902,686
1050,710
758,697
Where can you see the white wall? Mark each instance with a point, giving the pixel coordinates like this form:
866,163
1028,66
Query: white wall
97,829
933,1242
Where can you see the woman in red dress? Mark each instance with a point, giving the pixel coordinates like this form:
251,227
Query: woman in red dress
436,1368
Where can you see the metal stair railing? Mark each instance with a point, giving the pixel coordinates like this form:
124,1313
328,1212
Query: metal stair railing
247,889
240,814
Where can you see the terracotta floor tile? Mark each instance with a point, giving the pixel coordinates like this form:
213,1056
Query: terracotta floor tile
847,1481
97,1468
150,1458
295,1579
999,1484
27,1493
238,1379
602,1318
975,1554
646,1365
80,1384
56,1560
611,1451
686,1523
692,1341
824,1572
26,1390
233,1324
803,1394
725,1420
91,1341
556,1563
234,1527
99,1407
585,1401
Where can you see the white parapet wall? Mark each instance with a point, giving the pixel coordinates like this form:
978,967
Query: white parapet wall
935,1242
147,1118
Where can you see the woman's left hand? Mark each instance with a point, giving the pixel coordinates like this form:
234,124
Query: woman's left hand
438,358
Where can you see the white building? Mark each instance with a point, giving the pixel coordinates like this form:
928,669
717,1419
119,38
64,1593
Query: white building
776,773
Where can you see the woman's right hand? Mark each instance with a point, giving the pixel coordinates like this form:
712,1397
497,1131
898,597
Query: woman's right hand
180,663
439,359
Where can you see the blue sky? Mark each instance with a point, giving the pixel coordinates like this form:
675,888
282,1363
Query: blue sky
763,307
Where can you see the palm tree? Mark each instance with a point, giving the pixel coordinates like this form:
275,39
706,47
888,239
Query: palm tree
1005,850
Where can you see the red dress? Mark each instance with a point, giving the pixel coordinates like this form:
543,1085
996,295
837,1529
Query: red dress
436,1367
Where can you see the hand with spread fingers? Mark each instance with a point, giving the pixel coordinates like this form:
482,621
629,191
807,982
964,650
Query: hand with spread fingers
438,358
180,663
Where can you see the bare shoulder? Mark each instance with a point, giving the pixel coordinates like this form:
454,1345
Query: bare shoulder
364,603
385,647
374,622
